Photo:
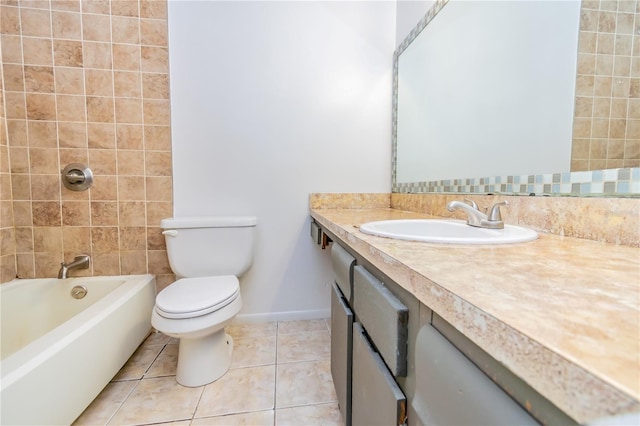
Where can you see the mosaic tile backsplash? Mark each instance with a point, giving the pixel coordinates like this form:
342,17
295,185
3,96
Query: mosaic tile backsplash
620,182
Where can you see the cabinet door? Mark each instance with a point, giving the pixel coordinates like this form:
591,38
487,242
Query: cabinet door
451,390
341,348
384,317
343,264
376,397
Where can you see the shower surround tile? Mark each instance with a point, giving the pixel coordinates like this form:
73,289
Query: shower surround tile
73,75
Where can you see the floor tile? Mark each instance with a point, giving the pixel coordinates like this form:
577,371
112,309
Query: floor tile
301,326
157,338
106,403
158,400
240,331
240,390
304,383
310,415
139,362
257,418
165,364
246,395
253,351
308,346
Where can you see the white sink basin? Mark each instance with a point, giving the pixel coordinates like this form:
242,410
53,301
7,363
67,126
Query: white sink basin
447,232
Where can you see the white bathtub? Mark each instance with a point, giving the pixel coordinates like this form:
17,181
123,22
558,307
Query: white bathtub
57,352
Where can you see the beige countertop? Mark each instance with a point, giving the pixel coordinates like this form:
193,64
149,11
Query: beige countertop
561,313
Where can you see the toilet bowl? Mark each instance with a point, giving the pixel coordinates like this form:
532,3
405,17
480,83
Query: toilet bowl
208,254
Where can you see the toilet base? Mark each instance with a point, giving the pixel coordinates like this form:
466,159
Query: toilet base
203,360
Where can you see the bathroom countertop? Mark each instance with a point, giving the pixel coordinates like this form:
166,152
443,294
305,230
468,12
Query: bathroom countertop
561,313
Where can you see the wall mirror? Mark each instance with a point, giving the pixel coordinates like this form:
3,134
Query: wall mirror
490,97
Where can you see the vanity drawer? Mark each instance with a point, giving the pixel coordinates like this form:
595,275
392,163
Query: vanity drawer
341,351
384,317
343,264
376,397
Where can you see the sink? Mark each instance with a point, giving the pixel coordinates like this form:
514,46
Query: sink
447,232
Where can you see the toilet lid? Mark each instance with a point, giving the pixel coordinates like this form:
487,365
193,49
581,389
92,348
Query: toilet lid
192,297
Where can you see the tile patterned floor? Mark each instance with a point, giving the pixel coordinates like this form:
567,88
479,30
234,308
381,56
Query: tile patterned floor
280,375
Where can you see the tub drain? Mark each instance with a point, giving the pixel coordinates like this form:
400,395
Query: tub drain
78,292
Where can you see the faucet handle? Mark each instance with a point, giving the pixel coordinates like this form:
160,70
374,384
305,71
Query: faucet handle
471,203
494,214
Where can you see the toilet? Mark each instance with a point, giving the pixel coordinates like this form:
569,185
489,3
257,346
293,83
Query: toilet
207,254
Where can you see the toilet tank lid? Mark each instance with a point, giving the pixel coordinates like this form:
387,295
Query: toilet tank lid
208,222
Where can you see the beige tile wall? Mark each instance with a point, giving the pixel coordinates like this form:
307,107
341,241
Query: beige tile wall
606,131
7,229
87,81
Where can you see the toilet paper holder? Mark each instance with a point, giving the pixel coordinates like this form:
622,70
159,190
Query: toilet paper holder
77,177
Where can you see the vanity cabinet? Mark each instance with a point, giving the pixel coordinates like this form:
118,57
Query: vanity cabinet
384,317
341,351
368,348
450,389
394,361
342,328
377,398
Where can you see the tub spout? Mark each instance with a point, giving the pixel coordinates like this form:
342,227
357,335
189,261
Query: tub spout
80,262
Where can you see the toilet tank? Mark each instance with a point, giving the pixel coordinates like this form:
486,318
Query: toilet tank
209,245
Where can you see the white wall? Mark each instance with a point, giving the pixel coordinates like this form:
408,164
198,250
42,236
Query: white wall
271,101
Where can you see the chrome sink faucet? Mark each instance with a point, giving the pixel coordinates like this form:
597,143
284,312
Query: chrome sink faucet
80,262
476,218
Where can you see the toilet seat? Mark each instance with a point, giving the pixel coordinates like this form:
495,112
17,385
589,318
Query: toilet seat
193,297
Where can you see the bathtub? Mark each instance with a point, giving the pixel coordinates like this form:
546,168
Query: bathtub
58,352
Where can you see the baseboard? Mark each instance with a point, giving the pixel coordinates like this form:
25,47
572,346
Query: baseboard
282,316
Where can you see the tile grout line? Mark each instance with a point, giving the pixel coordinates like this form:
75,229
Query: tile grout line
195,410
138,381
133,388
144,374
